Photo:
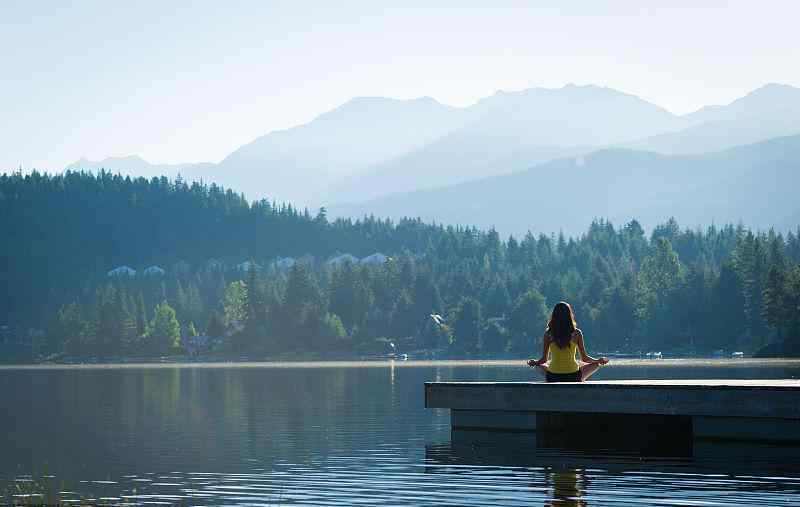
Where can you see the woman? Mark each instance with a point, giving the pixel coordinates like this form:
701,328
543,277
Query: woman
562,339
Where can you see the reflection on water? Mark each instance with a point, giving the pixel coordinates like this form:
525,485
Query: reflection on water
566,488
723,473
339,434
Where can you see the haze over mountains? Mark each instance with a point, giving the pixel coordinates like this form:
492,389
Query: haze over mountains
511,131
770,111
137,166
298,164
384,156
756,184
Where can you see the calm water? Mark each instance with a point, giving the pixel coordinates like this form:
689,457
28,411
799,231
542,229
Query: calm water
338,435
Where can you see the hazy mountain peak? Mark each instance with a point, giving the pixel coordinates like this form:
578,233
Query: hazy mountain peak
109,162
296,164
770,96
774,88
369,101
572,87
129,158
764,99
564,95
573,115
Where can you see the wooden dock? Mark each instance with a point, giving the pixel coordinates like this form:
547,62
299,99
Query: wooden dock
750,410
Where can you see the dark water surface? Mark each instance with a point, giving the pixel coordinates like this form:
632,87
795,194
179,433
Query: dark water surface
338,435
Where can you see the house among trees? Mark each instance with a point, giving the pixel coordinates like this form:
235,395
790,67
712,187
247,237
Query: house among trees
284,263
376,258
200,344
122,271
247,265
154,271
342,259
181,268
214,265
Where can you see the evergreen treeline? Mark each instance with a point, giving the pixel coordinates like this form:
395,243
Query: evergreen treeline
722,288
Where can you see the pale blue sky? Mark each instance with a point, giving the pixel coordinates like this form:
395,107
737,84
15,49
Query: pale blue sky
190,82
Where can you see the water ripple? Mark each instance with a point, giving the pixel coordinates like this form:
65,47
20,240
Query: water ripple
337,435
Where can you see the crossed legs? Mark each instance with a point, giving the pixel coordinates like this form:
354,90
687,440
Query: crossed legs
587,370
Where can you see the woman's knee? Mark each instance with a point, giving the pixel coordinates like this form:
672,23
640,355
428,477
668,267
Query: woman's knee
588,370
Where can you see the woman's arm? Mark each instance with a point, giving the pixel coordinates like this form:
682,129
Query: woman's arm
545,349
586,358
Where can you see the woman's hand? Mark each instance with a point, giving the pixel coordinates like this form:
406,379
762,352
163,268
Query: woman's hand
602,361
534,362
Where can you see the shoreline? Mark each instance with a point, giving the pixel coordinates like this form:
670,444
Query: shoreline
393,363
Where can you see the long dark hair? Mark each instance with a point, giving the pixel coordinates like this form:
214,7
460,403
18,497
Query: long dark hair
562,324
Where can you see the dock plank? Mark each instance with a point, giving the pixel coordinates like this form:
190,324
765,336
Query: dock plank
714,397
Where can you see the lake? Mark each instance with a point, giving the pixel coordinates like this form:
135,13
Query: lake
339,434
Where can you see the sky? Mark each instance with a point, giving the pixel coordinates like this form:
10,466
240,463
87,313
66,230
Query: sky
190,82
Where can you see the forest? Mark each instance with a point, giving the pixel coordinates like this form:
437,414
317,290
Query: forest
101,265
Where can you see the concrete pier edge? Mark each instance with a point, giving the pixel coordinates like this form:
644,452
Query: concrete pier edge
750,410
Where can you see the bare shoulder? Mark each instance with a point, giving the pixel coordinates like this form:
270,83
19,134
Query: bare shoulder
547,336
577,335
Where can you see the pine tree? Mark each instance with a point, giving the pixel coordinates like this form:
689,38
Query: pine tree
694,295
191,332
255,303
793,246
303,307
127,337
494,337
180,300
215,329
615,324
194,302
660,274
141,316
527,321
749,259
468,325
234,304
774,309
332,330
71,328
725,311
404,322
499,302
793,311
165,330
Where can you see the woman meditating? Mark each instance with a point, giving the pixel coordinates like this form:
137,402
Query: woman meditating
562,339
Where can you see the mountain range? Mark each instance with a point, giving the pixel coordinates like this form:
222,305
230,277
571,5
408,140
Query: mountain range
755,184
418,157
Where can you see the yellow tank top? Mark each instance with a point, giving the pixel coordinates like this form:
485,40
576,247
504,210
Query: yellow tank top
563,360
